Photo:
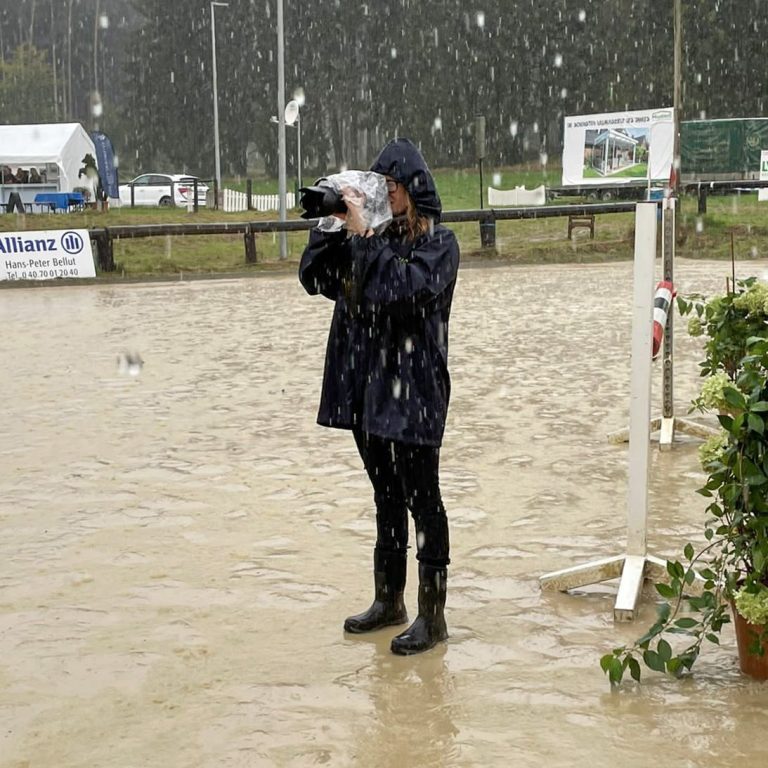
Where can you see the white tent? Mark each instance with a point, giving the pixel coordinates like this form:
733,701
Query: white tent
59,147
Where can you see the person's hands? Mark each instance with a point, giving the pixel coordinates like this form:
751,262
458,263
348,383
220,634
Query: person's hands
356,219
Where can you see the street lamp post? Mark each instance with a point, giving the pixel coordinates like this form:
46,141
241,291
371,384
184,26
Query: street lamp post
281,185
298,148
299,98
216,100
292,117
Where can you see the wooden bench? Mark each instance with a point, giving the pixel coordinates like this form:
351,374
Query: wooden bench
583,220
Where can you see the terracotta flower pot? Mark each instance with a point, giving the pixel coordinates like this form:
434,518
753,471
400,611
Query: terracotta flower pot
750,663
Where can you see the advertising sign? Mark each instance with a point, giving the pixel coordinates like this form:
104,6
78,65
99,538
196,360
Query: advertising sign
46,255
618,147
105,159
762,194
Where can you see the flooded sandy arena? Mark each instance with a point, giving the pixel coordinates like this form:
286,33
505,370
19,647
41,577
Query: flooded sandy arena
179,548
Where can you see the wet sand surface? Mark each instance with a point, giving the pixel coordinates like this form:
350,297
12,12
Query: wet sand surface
179,549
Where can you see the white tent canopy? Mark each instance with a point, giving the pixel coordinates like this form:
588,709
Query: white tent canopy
63,145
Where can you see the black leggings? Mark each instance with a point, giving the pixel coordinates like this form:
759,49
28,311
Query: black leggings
405,477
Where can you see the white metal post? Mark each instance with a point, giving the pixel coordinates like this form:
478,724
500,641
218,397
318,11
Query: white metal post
640,385
635,565
633,573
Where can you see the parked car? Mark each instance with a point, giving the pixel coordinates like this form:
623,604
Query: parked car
166,189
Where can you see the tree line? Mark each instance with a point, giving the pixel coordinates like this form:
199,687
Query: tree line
141,71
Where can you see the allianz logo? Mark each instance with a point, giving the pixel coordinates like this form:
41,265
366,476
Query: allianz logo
71,243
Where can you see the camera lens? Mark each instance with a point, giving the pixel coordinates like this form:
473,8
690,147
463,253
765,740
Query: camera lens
319,200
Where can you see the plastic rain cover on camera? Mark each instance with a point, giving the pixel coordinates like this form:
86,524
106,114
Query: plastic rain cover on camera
372,190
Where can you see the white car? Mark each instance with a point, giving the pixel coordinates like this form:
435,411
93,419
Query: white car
165,189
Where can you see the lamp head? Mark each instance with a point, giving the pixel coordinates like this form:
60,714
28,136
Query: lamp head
291,112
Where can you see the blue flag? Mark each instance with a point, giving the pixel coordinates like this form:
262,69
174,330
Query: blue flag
105,159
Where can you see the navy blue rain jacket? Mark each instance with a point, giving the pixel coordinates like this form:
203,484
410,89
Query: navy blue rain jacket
386,363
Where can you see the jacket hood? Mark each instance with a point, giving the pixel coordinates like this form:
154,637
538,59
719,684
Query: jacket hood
402,161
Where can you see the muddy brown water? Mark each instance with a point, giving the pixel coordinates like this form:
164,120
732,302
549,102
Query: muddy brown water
179,548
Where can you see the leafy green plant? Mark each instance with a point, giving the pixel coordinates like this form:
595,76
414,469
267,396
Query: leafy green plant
732,566
753,606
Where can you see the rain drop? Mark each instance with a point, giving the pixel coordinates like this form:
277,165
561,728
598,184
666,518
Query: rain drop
582,15
558,60
699,225
480,19
496,179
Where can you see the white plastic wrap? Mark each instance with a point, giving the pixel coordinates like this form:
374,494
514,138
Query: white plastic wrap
371,188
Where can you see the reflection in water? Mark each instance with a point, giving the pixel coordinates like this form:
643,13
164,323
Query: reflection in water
413,702
180,548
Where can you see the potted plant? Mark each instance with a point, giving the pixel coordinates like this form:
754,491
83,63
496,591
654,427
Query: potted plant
728,574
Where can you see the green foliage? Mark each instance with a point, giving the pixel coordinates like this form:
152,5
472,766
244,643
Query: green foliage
712,450
752,604
713,395
733,564
728,321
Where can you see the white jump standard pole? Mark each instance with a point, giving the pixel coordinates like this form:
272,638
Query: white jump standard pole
668,424
635,565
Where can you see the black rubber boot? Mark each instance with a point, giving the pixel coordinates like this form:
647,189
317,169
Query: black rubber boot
388,607
429,628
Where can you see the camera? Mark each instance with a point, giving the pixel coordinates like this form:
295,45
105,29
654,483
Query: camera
320,200
366,191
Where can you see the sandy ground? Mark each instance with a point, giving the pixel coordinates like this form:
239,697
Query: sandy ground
179,549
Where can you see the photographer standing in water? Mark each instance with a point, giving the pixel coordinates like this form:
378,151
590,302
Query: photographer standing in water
386,378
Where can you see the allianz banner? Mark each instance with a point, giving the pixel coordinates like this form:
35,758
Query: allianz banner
105,159
46,255
618,147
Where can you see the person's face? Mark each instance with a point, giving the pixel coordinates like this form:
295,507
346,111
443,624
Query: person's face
398,197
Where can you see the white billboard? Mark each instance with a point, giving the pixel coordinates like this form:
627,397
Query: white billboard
618,148
46,255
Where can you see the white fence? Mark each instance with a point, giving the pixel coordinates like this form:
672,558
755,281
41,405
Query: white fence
238,201
517,196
